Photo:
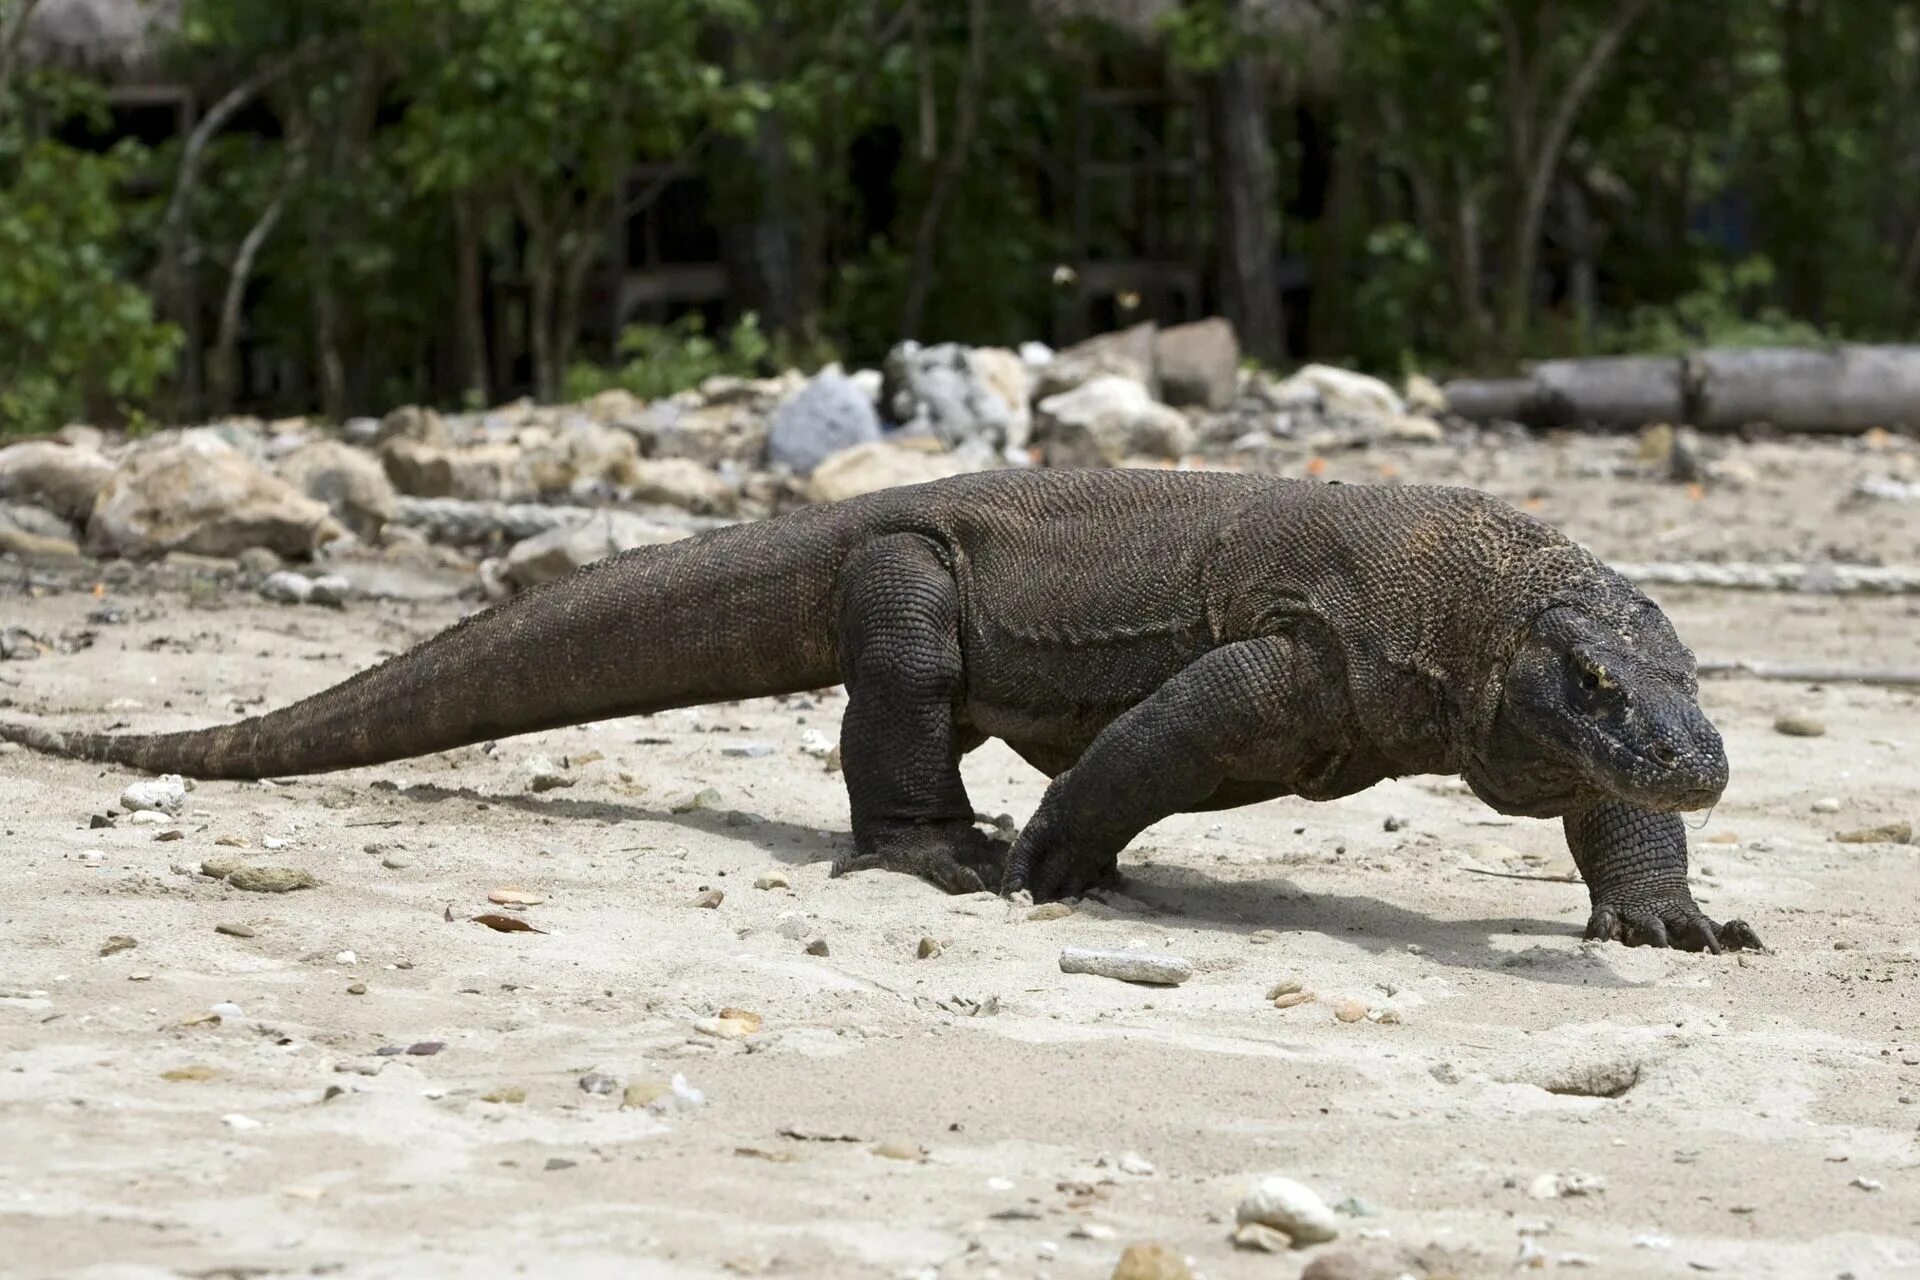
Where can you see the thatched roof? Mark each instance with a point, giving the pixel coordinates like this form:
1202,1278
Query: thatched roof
116,39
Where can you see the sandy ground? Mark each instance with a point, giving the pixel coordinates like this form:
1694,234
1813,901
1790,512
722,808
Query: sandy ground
1767,1125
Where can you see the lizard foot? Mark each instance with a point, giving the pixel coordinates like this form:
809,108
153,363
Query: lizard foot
1669,923
1050,880
954,856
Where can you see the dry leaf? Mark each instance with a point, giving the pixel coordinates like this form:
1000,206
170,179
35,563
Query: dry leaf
190,1075
506,924
515,898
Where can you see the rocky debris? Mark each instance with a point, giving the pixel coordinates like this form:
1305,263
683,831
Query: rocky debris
1107,420
960,395
61,479
165,794
881,464
1793,726
1126,353
577,455
1198,363
558,552
412,422
1288,1206
195,493
1345,1266
1151,1260
28,530
482,472
1258,1237
1555,1186
350,481
829,415
682,483
1888,833
242,875
1151,968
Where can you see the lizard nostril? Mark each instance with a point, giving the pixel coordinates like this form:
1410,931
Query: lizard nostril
1665,755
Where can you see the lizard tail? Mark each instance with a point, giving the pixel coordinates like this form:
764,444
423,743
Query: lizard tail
744,611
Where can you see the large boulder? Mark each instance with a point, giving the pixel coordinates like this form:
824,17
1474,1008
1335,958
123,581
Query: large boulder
829,414
881,464
710,434
1341,391
481,472
1108,420
578,455
350,481
1125,353
1198,364
558,552
65,480
197,493
960,394
411,422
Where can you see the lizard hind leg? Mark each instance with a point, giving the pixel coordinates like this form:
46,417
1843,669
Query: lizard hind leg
900,747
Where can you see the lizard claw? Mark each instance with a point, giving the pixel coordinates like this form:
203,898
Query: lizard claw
1676,924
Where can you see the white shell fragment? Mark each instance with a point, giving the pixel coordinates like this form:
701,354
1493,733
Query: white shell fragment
1157,969
1288,1206
165,794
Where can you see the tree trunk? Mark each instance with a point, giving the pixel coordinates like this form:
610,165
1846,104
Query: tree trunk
1248,206
1544,162
12,32
947,175
471,320
1800,254
224,369
1469,276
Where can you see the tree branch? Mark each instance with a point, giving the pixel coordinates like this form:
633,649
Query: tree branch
225,368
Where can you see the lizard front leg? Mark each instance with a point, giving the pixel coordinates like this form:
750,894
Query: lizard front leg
1634,861
1165,755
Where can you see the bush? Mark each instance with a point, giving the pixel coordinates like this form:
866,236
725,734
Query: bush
658,360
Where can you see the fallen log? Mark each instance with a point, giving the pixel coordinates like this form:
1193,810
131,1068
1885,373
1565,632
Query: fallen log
1811,579
1618,391
1848,388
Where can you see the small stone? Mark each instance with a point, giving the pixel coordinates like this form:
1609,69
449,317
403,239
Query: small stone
239,1122
512,1094
1151,1260
816,744
93,857
1336,1266
397,861
356,988
1050,911
1394,823
235,930
795,926
226,1009
1799,727
166,836
747,750
232,842
771,880
1127,966
1289,1206
899,1150
818,947
1263,937
1865,1183
1092,1231
1350,1011
287,587
1292,999
1554,1186
928,949
710,898
1827,805
190,1075
148,818
707,798
1285,987
270,879
643,1093
555,1163
1890,833
1132,1162
598,1082
1258,1237
329,589
425,1048
165,794
346,957
273,842
117,943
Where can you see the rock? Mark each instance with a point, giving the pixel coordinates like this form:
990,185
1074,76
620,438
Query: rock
705,798
880,464
269,879
959,395
555,554
710,898
1799,727
1285,987
116,944
830,414
748,750
771,880
729,1024
235,930
818,947
1198,363
1826,805
1338,1266
330,589
1553,1186
28,520
196,494
1151,1260
928,948
166,793
1685,461
644,1093
1107,420
1134,1165
1125,353
598,1082
1050,911
578,455
259,562
897,1149
1424,396
287,587
1127,966
350,481
1258,1237
1340,391
708,433
356,988
481,472
1889,833
58,478
1290,999
1288,1206
1350,1011
411,422
683,483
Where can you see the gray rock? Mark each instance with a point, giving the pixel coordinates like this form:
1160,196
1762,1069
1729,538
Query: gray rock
1198,364
62,479
882,464
1108,420
197,494
37,521
165,794
829,414
287,587
958,394
258,561
481,472
1147,967
351,482
683,483
330,589
558,552
1126,353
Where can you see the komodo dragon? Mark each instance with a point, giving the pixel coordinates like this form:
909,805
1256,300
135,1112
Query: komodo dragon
1156,642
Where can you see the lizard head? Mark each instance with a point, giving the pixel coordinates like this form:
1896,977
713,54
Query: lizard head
1597,707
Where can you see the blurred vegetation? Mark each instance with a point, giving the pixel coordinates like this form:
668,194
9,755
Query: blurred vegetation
414,199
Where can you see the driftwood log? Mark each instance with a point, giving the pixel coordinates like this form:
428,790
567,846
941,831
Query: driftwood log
1846,388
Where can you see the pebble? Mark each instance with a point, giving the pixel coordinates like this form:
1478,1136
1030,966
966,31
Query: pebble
729,1024
1827,805
1336,1266
117,943
1050,911
346,957
793,925
1292,999
270,879
274,842
1155,969
1395,823
1285,987
1258,1237
1800,727
329,589
1151,1260
148,818
816,744
711,898
166,794
706,798
1865,1183
287,587
235,930
929,948
239,1122
898,1150
1889,833
1092,1231
512,1094
425,1048
1553,1186
396,861
772,880
556,1163
227,1009
1132,1162
1292,1207
747,750
356,988
142,976
1350,1011
818,947
1263,937
599,1082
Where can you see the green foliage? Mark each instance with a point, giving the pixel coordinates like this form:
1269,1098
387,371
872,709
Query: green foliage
658,360
1730,308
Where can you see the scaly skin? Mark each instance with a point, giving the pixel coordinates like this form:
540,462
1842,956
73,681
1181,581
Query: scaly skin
1156,642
